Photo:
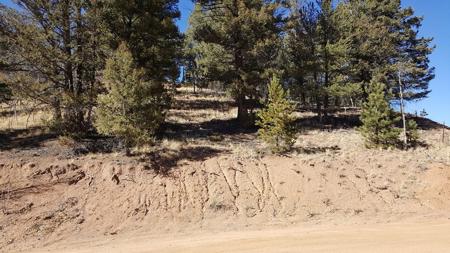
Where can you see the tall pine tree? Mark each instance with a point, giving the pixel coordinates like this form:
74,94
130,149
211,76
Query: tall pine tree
58,46
311,52
381,38
148,27
242,38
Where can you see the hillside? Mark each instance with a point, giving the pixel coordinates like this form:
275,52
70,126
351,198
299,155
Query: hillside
208,177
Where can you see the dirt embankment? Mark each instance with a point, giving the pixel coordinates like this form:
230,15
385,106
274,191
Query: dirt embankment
45,201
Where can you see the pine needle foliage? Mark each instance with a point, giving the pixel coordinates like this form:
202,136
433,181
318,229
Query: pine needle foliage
412,134
276,120
379,120
131,109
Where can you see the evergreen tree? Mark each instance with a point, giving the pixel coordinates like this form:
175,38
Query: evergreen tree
301,65
412,134
333,51
191,73
148,27
275,120
379,120
6,62
381,38
57,53
243,36
315,56
423,113
204,62
131,109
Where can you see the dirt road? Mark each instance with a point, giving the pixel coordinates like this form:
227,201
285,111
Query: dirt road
399,237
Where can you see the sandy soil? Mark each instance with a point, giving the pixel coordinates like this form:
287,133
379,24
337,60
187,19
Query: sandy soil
397,237
53,200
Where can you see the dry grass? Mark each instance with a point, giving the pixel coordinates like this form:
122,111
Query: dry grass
205,119
313,139
204,106
22,116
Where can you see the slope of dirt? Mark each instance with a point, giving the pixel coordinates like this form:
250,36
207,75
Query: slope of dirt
210,178
46,200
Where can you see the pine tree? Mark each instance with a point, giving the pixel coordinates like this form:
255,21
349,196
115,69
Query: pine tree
149,29
300,53
412,134
316,56
275,120
412,57
204,62
423,113
6,63
131,109
379,120
243,36
381,38
57,54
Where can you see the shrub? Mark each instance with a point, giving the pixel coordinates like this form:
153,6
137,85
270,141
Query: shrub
379,120
133,108
275,120
412,135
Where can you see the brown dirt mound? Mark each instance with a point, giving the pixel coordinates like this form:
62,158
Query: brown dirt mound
50,200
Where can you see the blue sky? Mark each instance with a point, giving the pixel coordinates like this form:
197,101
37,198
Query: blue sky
436,24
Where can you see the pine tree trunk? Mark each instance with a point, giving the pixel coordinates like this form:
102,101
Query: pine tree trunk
402,111
319,108
326,101
57,115
318,98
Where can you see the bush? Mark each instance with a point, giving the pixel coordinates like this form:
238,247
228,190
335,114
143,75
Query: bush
276,119
412,135
133,108
379,120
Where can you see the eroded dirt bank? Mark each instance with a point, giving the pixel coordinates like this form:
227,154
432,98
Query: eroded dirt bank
48,201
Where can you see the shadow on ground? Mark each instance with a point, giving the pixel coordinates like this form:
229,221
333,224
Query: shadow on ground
331,122
202,104
24,138
216,128
163,161
317,150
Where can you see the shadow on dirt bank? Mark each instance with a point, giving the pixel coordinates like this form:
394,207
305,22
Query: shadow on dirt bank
24,138
221,128
163,161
